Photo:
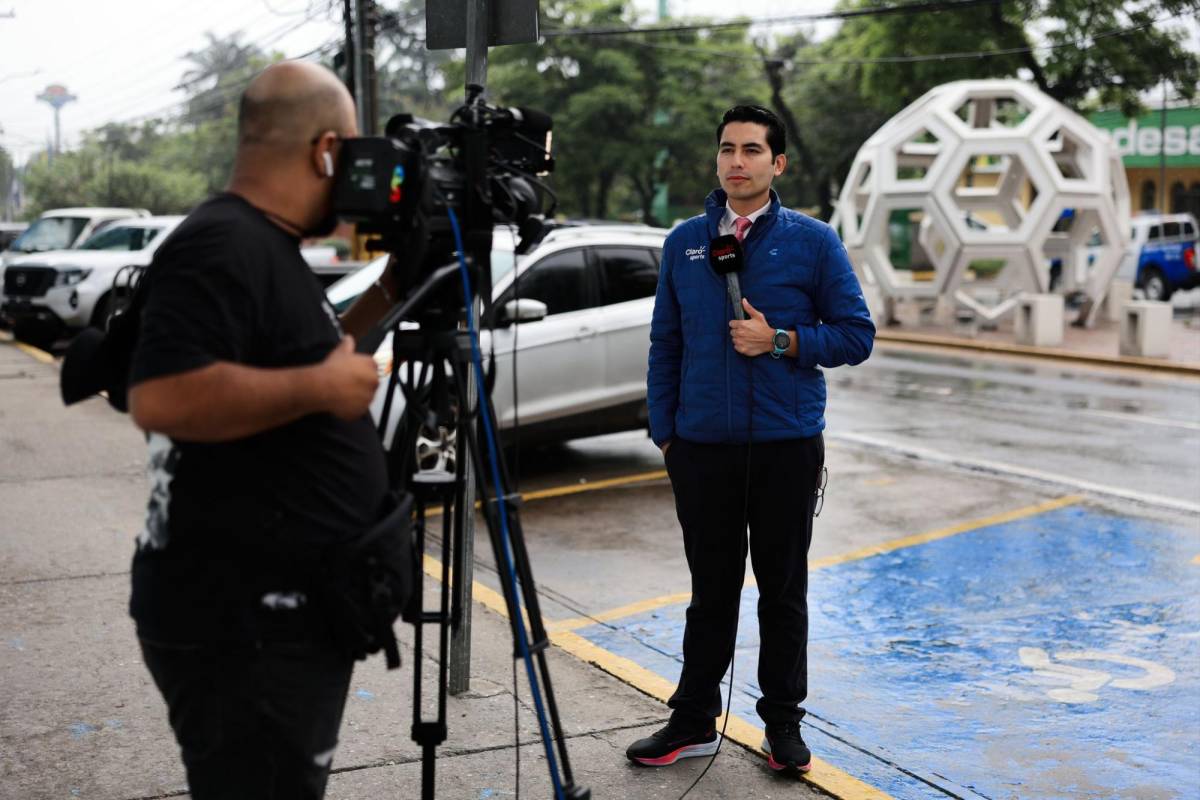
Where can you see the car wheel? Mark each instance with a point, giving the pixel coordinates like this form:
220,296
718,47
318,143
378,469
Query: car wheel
437,449
101,311
1155,285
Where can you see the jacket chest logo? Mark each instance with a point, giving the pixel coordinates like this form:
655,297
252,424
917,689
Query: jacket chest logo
695,253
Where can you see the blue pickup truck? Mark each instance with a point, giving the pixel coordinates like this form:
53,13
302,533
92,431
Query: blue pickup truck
1161,259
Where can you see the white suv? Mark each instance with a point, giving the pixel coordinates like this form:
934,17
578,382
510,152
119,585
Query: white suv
67,290
579,337
65,228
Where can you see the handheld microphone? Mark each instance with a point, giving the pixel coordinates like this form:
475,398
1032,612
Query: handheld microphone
726,258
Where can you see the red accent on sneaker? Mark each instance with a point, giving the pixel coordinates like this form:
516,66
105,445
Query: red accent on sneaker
775,765
662,761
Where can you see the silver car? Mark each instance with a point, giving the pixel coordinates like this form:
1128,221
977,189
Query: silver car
573,326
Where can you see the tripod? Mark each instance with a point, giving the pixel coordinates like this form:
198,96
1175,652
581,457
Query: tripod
435,391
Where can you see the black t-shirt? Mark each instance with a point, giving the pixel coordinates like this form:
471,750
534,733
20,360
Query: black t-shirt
230,522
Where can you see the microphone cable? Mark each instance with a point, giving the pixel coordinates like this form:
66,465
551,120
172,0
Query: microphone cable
745,546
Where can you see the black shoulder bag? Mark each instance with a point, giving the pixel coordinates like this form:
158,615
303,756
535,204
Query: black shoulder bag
366,581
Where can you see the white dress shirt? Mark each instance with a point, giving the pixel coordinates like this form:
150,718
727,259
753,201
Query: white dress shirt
727,228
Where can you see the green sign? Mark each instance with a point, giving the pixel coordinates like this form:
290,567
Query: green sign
1141,141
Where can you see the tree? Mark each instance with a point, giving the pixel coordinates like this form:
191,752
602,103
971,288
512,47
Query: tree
8,175
1102,51
1097,53
90,177
409,77
630,114
217,76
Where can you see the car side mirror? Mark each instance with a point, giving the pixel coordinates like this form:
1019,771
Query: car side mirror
526,309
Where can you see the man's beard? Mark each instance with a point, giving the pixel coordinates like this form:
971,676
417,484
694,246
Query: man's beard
322,227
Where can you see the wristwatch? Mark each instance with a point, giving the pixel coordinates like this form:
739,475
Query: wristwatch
782,342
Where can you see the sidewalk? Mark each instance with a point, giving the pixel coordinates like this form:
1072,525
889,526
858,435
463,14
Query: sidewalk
1099,344
81,718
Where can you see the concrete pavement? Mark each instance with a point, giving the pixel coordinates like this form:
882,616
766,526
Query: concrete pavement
81,718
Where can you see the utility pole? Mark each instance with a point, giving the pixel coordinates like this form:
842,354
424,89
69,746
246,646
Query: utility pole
364,67
1162,151
348,60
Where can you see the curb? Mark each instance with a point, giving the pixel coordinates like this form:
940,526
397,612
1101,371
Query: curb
1048,353
33,352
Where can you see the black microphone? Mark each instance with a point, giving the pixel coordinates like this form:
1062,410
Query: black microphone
726,258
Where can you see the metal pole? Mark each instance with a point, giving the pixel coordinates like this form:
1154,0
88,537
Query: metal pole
348,51
460,642
1162,151
477,39
364,67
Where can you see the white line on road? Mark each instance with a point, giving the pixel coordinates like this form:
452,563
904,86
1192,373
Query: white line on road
1000,468
1144,420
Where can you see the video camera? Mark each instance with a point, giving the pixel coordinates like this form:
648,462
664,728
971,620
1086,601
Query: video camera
485,165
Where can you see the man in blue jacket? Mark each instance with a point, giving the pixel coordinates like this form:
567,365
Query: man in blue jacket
737,407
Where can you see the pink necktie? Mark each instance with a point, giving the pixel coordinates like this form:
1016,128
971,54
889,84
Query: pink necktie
741,225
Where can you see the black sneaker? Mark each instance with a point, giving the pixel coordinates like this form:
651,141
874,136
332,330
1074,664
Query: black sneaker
786,750
677,740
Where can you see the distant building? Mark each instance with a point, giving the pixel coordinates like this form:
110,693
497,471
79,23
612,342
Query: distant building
1142,141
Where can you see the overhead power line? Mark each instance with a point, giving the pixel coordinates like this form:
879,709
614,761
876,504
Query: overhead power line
1083,41
931,7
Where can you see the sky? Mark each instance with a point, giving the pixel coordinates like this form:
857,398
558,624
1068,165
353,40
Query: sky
123,58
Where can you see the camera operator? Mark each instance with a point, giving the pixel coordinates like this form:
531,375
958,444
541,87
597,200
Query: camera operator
261,453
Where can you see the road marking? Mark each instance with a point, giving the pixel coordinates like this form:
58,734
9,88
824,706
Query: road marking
643,606
943,533
561,491
1166,422
608,483
34,352
630,610
1000,468
823,775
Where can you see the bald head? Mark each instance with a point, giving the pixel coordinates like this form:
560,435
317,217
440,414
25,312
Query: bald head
291,103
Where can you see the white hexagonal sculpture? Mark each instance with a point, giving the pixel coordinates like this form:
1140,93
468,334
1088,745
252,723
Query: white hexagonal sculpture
982,189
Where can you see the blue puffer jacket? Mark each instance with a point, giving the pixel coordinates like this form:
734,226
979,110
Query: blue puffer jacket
798,275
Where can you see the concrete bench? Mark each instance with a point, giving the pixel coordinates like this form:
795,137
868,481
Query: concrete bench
1039,321
1146,329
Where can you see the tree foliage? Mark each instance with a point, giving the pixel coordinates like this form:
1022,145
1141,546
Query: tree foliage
635,113
629,114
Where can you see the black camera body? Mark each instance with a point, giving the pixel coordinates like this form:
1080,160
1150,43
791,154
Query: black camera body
483,167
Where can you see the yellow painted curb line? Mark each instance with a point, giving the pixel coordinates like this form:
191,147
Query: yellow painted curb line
823,774
31,351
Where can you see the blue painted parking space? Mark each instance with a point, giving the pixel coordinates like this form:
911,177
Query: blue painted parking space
1052,656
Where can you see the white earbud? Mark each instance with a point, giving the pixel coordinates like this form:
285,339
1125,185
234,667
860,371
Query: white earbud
328,165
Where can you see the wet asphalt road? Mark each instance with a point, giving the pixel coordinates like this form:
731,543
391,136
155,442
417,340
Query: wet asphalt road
900,430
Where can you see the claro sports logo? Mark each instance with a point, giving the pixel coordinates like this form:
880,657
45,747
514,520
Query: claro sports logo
725,253
694,253
397,193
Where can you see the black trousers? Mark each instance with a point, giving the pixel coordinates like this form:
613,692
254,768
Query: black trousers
253,722
711,498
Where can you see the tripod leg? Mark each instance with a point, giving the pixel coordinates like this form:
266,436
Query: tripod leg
505,532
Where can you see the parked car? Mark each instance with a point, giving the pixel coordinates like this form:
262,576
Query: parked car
574,313
65,228
1162,256
9,232
48,294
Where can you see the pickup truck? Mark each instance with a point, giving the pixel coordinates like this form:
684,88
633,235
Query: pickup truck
1162,256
